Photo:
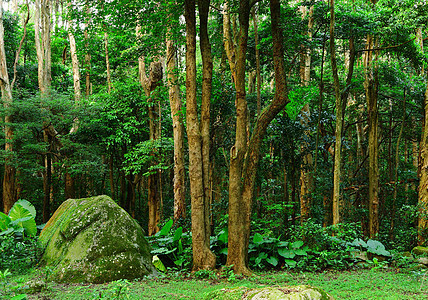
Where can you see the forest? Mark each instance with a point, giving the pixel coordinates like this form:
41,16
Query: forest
250,134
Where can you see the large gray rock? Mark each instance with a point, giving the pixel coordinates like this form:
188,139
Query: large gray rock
301,292
94,240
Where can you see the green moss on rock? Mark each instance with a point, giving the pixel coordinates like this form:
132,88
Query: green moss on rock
300,292
94,240
419,250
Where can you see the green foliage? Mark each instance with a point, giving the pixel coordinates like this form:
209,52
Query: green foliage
300,96
19,254
21,220
173,247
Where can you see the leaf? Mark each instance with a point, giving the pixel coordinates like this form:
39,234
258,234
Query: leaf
377,247
180,261
4,221
223,236
7,231
257,238
158,263
223,251
163,251
290,263
358,243
178,233
272,260
24,218
286,253
27,205
300,252
296,244
283,244
166,228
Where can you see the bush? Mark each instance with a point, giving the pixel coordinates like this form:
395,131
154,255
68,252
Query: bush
19,253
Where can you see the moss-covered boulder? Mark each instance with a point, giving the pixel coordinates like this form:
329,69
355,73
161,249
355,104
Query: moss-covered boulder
419,250
94,240
300,292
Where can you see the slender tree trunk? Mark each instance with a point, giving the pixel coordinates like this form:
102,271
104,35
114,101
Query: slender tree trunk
88,89
178,131
150,84
339,122
423,184
306,176
109,85
397,164
203,258
371,84
207,71
9,190
341,99
43,47
258,72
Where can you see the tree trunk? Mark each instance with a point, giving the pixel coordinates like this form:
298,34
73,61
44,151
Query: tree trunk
423,184
341,99
306,176
109,86
178,131
244,160
339,122
258,72
42,25
43,47
207,71
9,191
203,258
371,84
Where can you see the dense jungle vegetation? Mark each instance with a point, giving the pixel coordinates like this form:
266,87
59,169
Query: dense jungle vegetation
250,134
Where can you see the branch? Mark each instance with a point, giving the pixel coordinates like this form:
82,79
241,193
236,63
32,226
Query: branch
253,2
389,47
20,46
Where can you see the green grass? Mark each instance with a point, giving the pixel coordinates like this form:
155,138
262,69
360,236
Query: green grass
358,284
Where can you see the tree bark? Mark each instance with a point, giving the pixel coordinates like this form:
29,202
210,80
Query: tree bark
203,258
258,72
306,176
9,191
244,159
341,99
178,130
371,84
109,85
339,122
423,184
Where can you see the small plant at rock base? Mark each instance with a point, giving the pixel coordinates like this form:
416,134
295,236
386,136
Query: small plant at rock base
4,276
205,274
227,272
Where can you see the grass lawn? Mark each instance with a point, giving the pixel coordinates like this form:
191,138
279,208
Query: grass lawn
357,284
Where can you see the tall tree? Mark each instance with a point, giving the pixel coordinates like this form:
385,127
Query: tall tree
371,84
306,177
177,128
203,258
244,155
42,27
423,185
150,84
6,94
341,97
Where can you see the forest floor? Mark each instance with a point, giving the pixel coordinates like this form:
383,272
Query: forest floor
356,284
